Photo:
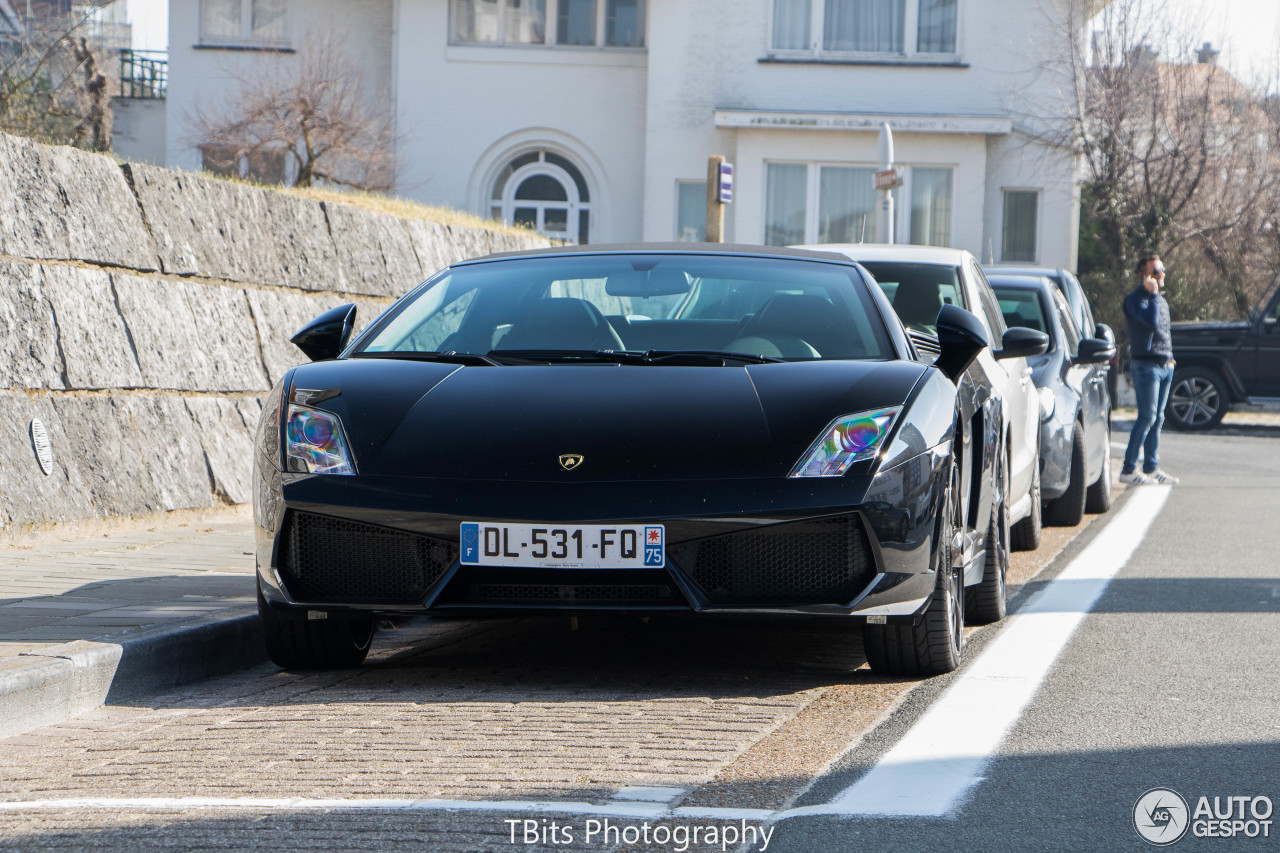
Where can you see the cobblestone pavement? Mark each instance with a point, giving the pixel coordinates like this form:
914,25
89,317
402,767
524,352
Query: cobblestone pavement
60,587
732,713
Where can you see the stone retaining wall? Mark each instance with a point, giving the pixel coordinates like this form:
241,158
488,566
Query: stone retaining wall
144,312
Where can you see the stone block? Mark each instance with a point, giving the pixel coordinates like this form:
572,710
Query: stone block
375,252
206,227
29,356
306,248
430,243
96,348
465,243
170,351
59,203
227,442
27,495
226,331
172,447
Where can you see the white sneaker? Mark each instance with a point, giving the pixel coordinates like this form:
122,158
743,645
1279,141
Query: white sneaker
1136,478
1162,478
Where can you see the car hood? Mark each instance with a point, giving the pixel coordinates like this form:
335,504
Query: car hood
1210,327
628,423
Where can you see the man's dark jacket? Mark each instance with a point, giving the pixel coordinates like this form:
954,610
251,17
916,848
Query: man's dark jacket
1146,318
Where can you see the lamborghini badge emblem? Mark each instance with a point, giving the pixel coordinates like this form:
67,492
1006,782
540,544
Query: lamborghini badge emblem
569,461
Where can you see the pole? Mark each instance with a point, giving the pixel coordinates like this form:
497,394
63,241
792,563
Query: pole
715,208
884,225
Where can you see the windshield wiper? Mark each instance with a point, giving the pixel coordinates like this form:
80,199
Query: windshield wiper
713,358
448,357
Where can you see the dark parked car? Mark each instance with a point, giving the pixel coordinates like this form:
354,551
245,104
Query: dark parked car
1222,364
626,429
1075,405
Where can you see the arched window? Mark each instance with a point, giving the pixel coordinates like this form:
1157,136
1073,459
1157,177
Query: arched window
544,191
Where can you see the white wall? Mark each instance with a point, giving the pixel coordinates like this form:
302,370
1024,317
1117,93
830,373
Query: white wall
203,77
467,109
138,128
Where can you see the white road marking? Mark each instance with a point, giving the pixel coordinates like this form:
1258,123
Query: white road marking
296,804
943,755
925,774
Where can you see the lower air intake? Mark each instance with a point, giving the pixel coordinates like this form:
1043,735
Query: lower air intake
332,560
823,561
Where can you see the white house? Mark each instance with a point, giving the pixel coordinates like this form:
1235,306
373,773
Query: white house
593,119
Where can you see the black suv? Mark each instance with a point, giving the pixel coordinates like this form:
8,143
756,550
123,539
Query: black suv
1222,363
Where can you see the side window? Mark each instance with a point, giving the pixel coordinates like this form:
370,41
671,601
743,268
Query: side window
1079,305
1070,333
987,300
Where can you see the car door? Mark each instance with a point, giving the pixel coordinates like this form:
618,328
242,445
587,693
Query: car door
1013,377
1090,382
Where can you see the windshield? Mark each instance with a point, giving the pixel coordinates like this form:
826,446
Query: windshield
585,305
917,291
1021,308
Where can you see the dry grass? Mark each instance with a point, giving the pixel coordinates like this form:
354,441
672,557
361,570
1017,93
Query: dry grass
401,208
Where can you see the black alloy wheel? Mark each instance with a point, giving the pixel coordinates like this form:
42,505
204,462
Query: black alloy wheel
984,602
934,642
300,643
1098,498
1198,399
1068,510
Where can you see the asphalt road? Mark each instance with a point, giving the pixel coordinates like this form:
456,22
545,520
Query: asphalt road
1169,681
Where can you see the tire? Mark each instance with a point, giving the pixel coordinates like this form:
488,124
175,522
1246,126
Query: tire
934,642
1098,498
1198,399
984,602
1025,535
1068,510
314,643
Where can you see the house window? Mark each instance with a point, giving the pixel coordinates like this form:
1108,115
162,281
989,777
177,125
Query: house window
1021,208
866,26
544,191
576,23
247,22
691,211
500,21
931,207
821,203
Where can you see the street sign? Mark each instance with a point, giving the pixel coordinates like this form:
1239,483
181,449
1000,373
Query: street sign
889,179
726,183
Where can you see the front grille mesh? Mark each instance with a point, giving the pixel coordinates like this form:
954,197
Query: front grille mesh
335,560
822,561
592,594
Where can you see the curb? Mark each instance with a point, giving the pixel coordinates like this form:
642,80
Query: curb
47,687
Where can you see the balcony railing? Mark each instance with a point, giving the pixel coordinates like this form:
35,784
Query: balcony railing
144,73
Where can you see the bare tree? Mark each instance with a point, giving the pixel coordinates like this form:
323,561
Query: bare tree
310,110
52,85
1179,158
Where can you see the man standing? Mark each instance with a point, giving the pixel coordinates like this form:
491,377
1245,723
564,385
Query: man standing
1146,317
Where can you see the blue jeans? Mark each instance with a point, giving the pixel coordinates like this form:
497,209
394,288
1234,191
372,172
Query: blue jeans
1151,384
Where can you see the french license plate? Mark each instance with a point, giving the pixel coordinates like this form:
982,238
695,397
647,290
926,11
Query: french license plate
564,546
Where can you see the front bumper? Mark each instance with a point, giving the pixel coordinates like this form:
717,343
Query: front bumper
851,546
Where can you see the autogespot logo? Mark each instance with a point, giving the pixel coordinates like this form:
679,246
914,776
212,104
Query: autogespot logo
1160,816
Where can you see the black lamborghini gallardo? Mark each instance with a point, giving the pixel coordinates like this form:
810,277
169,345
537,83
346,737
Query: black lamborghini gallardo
630,429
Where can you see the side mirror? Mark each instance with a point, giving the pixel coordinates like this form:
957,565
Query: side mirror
1094,351
1020,342
327,335
961,337
1103,332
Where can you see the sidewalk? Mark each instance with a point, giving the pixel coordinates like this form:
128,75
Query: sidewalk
153,602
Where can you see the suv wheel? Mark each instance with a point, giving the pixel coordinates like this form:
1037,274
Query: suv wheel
1098,498
1198,400
1025,535
1068,510
984,602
